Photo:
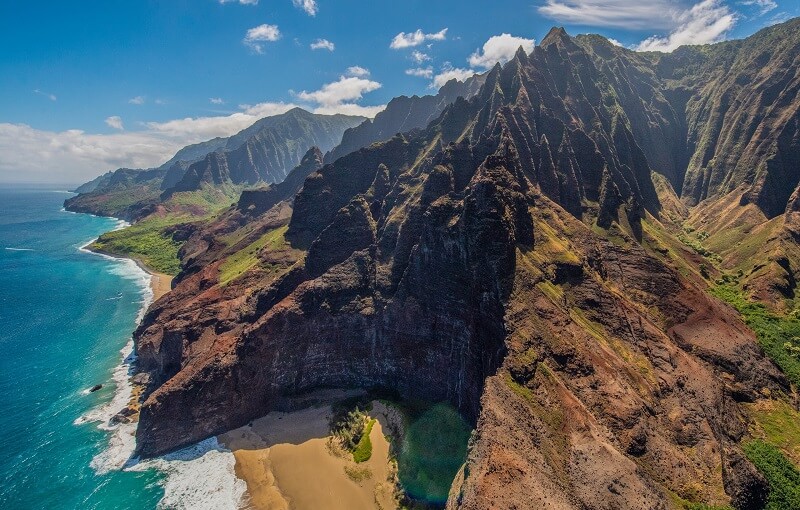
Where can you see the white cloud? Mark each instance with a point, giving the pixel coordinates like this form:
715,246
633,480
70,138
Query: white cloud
341,96
350,109
323,44
451,73
216,100
357,71
138,100
310,6
345,89
204,128
411,39
243,2
33,155
260,34
764,6
499,48
779,17
49,96
706,22
627,14
422,72
419,57
615,42
115,122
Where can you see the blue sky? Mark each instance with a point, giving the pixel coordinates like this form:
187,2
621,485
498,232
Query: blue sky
89,86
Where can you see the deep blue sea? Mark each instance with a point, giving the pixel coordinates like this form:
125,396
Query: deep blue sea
65,316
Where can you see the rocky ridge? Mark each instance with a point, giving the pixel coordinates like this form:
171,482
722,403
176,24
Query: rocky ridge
518,258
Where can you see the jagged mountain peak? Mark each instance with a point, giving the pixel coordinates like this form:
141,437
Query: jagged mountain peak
556,35
510,258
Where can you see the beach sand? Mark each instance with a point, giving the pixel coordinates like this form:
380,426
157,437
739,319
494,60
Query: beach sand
159,283
287,462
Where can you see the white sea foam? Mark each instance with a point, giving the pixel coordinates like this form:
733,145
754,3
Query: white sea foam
122,436
199,477
19,249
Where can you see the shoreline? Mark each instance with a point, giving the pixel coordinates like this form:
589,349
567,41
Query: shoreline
198,477
160,283
290,460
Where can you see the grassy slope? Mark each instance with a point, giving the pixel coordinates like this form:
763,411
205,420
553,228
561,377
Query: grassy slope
245,259
150,242
147,241
778,335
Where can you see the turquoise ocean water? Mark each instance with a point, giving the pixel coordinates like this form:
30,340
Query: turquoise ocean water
65,316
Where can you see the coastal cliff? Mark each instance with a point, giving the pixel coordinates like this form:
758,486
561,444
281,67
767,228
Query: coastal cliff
547,255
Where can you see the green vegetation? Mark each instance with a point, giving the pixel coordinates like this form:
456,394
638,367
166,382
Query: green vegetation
779,424
778,335
204,201
782,475
696,245
358,473
433,450
702,506
351,427
148,241
246,258
363,450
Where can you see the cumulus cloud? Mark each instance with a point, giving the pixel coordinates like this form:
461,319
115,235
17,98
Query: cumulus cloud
32,155
499,48
357,71
323,44
422,72
256,36
138,100
629,14
419,57
216,100
115,122
345,89
411,39
450,73
310,6
706,22
341,96
764,6
243,2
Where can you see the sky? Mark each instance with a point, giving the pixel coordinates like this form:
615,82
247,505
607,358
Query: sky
90,86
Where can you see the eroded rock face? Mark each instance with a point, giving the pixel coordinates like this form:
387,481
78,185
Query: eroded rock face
266,151
495,260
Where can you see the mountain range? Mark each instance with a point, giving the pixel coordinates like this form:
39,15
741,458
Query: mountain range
590,252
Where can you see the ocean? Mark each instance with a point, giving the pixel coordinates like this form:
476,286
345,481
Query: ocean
65,317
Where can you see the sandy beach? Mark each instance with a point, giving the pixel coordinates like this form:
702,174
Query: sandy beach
160,283
287,461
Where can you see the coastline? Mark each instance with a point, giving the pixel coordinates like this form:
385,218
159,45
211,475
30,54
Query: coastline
160,283
201,476
289,460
